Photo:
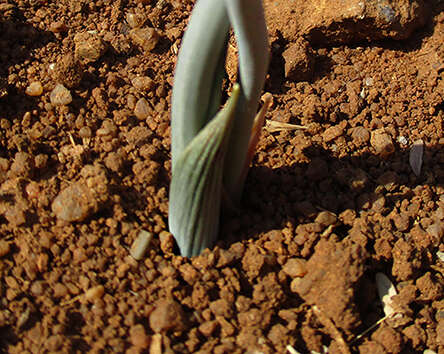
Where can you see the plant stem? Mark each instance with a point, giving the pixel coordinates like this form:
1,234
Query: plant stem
248,21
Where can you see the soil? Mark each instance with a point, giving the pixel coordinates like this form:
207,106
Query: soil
85,167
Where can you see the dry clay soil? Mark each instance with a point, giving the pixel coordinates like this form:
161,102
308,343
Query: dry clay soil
346,183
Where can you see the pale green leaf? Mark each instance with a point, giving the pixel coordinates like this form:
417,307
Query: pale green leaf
196,185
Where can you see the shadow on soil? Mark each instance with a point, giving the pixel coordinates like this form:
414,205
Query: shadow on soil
17,41
297,193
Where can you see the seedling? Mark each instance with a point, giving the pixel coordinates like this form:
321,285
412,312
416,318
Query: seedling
211,151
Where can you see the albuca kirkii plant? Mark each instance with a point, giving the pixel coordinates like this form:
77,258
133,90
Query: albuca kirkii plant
212,149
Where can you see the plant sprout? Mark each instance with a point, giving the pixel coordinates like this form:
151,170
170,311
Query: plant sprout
211,150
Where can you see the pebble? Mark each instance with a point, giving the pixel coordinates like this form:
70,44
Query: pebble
402,140
89,46
23,165
142,109
60,96
141,244
326,218
34,89
295,267
360,135
142,83
166,241
138,336
95,293
382,142
134,20
146,38
74,203
68,71
168,315
332,133
58,27
60,290
436,230
296,284
4,248
114,161
299,62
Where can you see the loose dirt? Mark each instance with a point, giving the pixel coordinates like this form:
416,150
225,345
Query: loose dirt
85,89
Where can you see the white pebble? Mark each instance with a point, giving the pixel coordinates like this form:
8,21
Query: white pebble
141,244
402,140
95,293
60,96
34,89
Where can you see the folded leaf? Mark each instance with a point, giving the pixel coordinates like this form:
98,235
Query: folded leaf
196,185
198,74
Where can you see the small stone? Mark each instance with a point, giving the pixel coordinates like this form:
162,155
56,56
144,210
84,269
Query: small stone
141,244
326,218
401,221
295,284
207,328
34,89
41,161
32,190
135,20
37,288
108,128
440,332
332,133
22,166
168,315
430,288
142,109
402,140
382,142
58,27
114,161
95,293
60,96
299,61
295,267
389,338
4,248
156,344
67,71
142,83
79,255
15,215
166,241
146,38
131,101
360,135
436,230
74,203
85,132
60,290
89,46
138,336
